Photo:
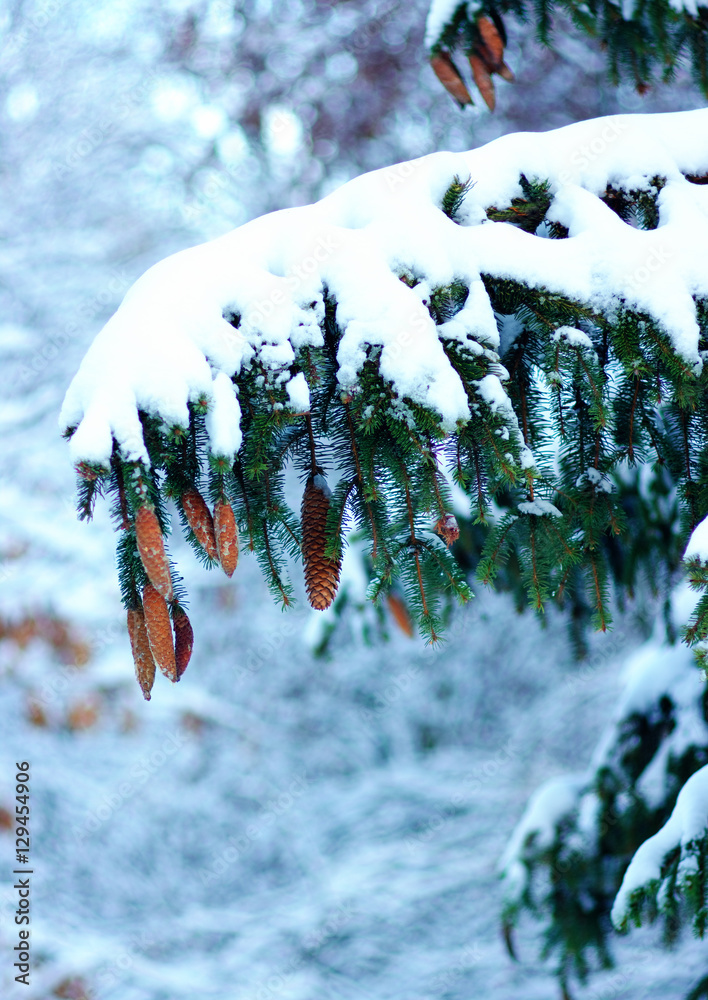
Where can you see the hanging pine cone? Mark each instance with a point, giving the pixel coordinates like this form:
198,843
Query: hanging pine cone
483,79
226,533
321,573
491,48
449,76
142,656
400,614
159,630
200,521
151,547
184,640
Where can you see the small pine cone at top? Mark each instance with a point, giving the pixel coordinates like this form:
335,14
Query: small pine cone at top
151,547
321,573
200,521
226,532
159,630
184,640
142,655
448,529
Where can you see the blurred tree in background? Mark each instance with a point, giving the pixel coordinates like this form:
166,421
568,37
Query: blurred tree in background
131,131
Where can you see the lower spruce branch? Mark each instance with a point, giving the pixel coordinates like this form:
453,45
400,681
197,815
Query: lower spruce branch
362,485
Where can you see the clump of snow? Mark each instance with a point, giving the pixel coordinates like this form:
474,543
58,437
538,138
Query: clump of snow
299,393
539,507
598,479
697,547
548,805
169,338
440,14
687,825
569,335
223,419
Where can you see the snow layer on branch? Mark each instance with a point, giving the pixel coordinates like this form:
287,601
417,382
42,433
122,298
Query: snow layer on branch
687,824
537,828
439,16
170,337
697,547
657,671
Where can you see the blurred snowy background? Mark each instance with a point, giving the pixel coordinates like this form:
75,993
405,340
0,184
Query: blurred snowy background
277,825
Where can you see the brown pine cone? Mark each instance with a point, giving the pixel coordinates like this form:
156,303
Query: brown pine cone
142,657
184,640
401,615
321,574
200,521
449,76
151,547
483,79
159,630
492,48
226,533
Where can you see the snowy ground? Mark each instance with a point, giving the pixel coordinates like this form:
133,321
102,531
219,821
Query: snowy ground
282,826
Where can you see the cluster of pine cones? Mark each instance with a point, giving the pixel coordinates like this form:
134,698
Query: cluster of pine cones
149,625
485,57
162,640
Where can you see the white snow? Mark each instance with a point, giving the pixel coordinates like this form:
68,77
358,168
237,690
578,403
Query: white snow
576,338
687,824
169,337
539,507
223,419
548,805
654,671
440,13
299,393
697,547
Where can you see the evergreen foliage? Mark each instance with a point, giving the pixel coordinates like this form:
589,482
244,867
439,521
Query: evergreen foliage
568,878
583,460
594,397
644,41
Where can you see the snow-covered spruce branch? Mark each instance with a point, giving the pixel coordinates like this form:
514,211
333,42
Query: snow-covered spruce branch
696,559
566,859
671,864
362,338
